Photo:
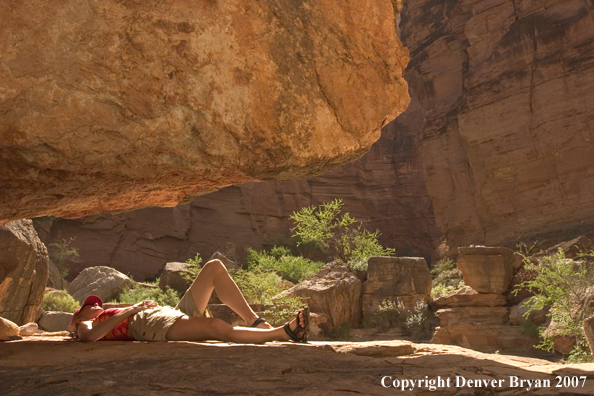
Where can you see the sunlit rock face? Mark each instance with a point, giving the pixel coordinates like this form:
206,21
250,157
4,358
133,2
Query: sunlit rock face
111,105
507,89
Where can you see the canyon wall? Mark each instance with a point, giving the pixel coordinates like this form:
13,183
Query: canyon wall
110,105
507,91
384,189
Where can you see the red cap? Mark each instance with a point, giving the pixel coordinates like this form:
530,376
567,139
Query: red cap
91,300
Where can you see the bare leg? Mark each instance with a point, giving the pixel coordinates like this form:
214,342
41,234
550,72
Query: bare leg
214,276
190,328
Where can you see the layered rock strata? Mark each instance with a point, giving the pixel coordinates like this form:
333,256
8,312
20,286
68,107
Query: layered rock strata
505,88
476,316
397,279
23,271
111,105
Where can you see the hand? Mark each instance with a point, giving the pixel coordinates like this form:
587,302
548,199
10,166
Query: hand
146,304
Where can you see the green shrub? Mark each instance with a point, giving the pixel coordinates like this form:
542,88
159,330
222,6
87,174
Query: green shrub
63,255
283,309
340,235
390,314
59,302
418,323
194,269
139,293
565,287
342,332
447,279
279,258
265,287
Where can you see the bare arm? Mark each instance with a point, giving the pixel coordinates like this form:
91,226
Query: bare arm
89,333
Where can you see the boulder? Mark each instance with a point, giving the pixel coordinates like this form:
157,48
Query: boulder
176,276
55,280
406,279
516,314
55,321
154,102
468,297
562,343
589,333
23,271
8,330
334,291
486,269
105,282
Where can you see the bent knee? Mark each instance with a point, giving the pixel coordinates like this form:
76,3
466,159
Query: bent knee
214,265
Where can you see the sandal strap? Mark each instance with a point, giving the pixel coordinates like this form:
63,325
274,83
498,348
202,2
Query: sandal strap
258,321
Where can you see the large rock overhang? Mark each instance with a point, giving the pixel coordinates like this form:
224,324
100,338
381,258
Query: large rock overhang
115,105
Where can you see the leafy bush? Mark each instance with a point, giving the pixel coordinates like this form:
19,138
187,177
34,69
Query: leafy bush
63,255
566,287
447,279
279,258
139,293
415,323
264,287
418,322
193,270
258,287
59,302
342,236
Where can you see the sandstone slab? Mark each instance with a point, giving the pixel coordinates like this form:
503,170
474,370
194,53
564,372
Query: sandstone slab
23,271
486,270
468,297
485,338
118,105
334,291
104,282
473,315
406,279
43,365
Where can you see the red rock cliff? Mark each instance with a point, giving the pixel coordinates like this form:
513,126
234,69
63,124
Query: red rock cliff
117,104
507,88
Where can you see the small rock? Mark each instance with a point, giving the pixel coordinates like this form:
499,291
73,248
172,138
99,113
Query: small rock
227,262
28,329
8,330
589,333
55,321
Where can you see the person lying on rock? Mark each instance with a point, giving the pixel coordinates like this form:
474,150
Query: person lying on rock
147,321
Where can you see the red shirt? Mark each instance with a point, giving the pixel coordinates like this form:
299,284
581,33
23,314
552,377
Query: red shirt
120,332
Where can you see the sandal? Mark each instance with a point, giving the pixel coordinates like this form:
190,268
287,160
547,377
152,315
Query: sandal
258,321
294,334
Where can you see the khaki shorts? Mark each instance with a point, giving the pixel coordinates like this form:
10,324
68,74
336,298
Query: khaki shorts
153,324
188,306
